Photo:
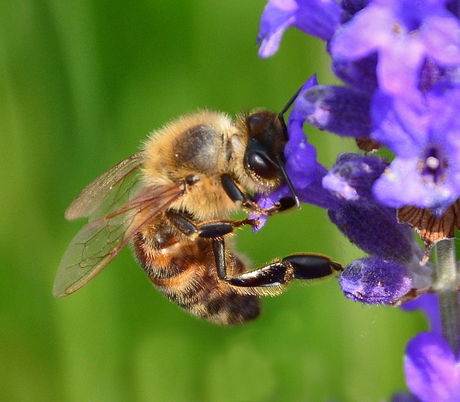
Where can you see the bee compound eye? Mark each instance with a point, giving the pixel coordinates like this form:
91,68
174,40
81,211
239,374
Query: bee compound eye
260,165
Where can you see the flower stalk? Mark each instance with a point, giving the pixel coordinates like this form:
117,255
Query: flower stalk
445,284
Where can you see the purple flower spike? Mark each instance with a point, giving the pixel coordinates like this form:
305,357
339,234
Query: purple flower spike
375,281
425,172
432,369
315,17
404,33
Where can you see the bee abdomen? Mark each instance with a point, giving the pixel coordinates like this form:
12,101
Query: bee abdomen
216,302
185,272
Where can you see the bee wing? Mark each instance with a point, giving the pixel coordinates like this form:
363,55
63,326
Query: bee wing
99,241
108,191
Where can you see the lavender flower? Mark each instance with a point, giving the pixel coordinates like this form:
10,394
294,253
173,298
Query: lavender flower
426,170
404,34
305,173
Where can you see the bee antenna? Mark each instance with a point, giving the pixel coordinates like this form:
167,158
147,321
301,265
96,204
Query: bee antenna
289,104
280,162
288,181
285,109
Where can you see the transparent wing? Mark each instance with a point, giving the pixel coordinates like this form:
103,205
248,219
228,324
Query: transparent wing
108,191
98,242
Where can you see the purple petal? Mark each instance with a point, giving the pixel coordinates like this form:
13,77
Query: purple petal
276,18
316,194
315,17
351,42
442,37
398,69
313,194
426,170
432,370
398,124
300,155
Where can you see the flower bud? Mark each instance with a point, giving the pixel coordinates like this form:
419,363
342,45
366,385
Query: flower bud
375,281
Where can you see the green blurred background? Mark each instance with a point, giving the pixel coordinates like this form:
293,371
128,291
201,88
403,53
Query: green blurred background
82,84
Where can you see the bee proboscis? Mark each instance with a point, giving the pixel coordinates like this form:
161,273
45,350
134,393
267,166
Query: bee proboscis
172,201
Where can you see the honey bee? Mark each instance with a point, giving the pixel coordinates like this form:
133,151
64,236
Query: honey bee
172,201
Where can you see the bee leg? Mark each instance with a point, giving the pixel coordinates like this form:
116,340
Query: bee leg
209,230
218,247
236,194
307,266
310,267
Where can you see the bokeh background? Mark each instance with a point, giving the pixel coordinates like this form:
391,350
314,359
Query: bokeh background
81,85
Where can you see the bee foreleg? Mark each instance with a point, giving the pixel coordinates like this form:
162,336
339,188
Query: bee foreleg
237,195
311,267
232,190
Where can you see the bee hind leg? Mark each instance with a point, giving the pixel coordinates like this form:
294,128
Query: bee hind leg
306,266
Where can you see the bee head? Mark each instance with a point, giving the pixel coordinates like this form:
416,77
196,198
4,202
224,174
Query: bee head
264,156
266,142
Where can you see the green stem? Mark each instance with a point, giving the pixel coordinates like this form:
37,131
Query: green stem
445,283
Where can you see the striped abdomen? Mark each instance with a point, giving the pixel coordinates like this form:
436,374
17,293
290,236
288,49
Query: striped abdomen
185,271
